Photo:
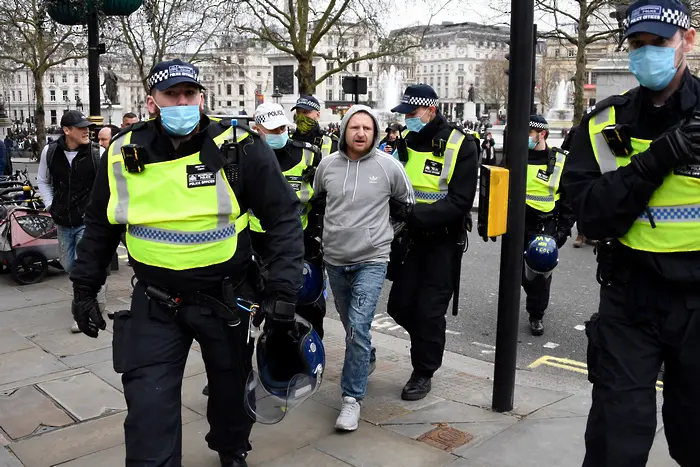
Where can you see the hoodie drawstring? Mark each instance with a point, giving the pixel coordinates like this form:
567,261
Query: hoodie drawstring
357,175
347,170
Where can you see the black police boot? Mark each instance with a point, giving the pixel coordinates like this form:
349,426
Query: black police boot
232,460
416,388
205,391
536,327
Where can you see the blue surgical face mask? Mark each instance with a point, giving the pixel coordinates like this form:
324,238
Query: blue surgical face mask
654,66
415,123
180,120
531,143
277,141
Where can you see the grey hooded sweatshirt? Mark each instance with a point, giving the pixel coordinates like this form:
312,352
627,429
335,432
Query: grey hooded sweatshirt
356,226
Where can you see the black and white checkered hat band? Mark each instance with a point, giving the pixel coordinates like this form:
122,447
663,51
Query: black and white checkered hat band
419,101
173,71
539,125
309,103
660,14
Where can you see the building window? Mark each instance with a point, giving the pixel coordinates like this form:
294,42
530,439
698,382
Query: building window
354,42
241,89
229,74
15,115
21,115
371,44
228,89
329,81
446,80
369,81
228,103
355,67
54,120
52,95
369,96
460,67
425,68
75,62
258,74
476,81
241,74
52,78
77,95
432,68
65,95
13,95
64,78
228,59
571,52
218,90
19,96
241,60
371,67
75,79
438,81
556,53
439,68
220,104
329,66
241,103
329,94
594,80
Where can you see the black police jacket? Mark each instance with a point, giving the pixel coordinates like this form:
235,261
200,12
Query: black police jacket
450,211
72,183
314,137
261,188
561,218
606,205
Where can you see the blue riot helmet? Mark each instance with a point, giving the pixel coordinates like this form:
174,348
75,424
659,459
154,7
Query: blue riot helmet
541,256
313,284
290,369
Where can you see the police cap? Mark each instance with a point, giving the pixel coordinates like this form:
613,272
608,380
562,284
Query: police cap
167,74
307,103
416,95
658,17
538,122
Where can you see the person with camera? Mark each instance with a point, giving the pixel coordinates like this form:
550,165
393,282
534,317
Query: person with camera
634,176
181,186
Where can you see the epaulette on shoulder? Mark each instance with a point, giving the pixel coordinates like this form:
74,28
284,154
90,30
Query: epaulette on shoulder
138,126
454,126
606,103
305,145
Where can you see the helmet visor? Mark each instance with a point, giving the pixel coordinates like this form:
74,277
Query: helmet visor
268,402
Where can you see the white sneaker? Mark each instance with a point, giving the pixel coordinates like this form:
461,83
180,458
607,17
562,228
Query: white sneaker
349,417
74,328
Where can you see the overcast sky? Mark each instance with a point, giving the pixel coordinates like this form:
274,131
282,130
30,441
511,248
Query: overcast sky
457,11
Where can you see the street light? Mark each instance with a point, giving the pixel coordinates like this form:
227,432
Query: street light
277,95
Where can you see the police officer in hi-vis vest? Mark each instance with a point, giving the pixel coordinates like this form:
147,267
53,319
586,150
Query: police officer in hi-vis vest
308,113
547,212
633,173
181,185
298,161
441,161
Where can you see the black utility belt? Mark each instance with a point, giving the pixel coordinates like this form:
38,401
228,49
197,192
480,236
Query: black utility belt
434,233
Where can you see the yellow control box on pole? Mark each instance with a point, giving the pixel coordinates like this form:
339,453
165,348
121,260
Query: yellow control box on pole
493,201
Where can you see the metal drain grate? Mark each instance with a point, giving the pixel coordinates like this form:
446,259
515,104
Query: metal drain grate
446,438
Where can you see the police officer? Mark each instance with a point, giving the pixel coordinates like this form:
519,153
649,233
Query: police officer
441,162
546,213
634,175
308,113
298,161
181,184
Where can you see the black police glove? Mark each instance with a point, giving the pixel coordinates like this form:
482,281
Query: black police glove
279,315
675,148
400,211
86,311
560,238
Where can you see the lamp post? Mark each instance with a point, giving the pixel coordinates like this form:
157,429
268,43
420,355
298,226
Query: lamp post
277,95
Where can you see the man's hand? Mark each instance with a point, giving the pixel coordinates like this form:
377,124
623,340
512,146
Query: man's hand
400,211
388,149
560,238
86,311
279,315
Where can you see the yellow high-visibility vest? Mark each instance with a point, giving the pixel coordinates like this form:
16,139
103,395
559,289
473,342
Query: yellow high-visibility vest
543,188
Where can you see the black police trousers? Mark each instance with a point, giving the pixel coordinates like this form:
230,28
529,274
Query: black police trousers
419,298
640,324
150,348
537,294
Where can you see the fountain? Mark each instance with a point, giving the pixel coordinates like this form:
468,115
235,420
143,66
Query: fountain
561,112
391,84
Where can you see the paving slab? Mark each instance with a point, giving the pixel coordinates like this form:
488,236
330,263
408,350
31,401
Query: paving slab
72,442
7,459
105,371
528,399
38,319
46,295
305,457
10,341
659,456
192,396
27,363
85,396
574,406
26,411
63,343
195,364
554,442
450,412
112,457
41,378
372,446
88,358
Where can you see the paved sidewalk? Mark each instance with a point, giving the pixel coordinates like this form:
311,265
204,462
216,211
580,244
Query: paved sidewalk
61,403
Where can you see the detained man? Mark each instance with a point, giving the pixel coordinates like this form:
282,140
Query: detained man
358,181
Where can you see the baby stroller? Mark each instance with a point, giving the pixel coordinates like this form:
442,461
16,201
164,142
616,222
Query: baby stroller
28,239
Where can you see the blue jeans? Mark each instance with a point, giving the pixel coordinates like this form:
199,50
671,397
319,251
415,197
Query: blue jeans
68,238
356,290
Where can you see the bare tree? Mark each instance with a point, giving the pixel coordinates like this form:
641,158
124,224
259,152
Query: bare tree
309,29
580,23
164,27
494,87
546,83
31,40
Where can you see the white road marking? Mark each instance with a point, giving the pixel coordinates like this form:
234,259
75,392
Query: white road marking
488,352
550,345
580,327
486,346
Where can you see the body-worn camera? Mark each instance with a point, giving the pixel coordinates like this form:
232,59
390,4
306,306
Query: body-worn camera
618,140
133,155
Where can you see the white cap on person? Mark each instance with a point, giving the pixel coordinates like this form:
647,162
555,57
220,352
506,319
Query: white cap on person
271,116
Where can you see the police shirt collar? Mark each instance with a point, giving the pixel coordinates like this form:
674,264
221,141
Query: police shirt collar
685,96
428,132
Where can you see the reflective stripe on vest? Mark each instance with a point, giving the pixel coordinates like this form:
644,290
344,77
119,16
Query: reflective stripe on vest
544,194
431,175
178,215
303,189
326,146
674,206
